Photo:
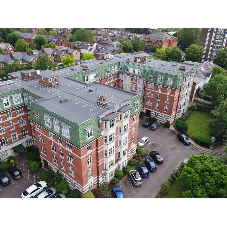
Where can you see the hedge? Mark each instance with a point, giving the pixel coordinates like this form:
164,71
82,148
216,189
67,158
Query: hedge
34,166
202,107
75,193
115,180
118,174
4,166
167,124
192,107
153,119
46,176
97,193
186,116
181,126
203,141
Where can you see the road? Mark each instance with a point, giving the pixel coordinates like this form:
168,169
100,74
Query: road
173,151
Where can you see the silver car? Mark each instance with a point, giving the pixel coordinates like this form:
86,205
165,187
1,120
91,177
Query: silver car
34,190
143,141
48,193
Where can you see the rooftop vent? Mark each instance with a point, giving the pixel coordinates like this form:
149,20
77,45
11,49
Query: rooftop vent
128,60
85,67
101,100
182,67
63,100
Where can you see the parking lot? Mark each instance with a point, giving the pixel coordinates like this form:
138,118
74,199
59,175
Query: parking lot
15,189
173,151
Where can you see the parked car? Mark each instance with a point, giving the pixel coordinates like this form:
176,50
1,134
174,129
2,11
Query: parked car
155,126
147,123
48,193
135,177
150,164
117,192
34,189
184,139
156,157
143,141
59,196
144,172
4,179
16,173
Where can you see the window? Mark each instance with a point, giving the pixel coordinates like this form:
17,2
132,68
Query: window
43,151
63,165
164,117
160,79
14,136
69,159
126,114
6,102
119,143
39,127
151,77
159,88
111,151
120,117
65,130
53,148
112,122
55,160
36,114
17,99
134,118
139,89
29,142
132,151
111,175
125,141
157,106
149,94
108,71
51,134
89,161
111,163
133,130
19,110
140,81
61,153
72,183
151,85
22,122
132,141
90,174
2,130
158,97
125,128
124,152
24,133
136,106
170,81
156,114
3,154
120,130
105,153
59,140
179,81
168,90
88,147
8,114
105,139
165,109
48,120
148,103
123,163
167,100
68,146
111,137
4,141
56,124
33,132
11,126
105,125
107,79
89,132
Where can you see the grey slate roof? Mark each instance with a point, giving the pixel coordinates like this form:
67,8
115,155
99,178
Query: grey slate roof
6,59
124,109
21,56
110,117
4,46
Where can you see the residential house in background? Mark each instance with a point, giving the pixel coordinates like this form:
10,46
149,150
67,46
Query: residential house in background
5,60
58,55
27,37
71,52
23,57
7,48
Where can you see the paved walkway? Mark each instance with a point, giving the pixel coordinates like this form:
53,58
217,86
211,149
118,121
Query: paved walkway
217,150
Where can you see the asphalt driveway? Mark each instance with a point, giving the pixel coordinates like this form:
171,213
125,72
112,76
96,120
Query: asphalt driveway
173,151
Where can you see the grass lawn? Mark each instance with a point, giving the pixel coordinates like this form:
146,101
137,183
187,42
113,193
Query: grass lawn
177,189
198,124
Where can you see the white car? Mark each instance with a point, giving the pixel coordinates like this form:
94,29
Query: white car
34,189
48,193
143,141
59,196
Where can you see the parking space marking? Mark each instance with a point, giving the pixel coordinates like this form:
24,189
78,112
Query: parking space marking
0,189
12,182
131,185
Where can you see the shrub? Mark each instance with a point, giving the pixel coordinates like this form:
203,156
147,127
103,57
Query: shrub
225,149
104,189
75,193
133,162
118,174
115,180
65,191
33,155
30,148
97,193
61,186
165,188
89,195
186,115
142,114
11,162
46,176
153,119
4,166
181,126
203,141
10,158
175,174
126,169
192,107
201,107
34,166
167,124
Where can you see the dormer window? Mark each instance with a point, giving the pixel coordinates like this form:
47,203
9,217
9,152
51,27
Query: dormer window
6,102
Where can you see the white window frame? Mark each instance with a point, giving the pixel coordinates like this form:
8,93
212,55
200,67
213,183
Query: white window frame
12,136
48,120
17,99
56,124
65,130
89,132
89,161
70,159
6,102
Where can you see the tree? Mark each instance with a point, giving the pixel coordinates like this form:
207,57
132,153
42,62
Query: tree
181,126
12,38
154,48
45,176
1,51
42,31
1,40
34,166
216,70
216,88
52,32
52,45
97,193
89,194
175,54
39,41
87,57
68,61
4,33
75,193
21,45
24,30
64,35
72,38
85,35
120,51
137,44
166,30
168,50
132,30
4,166
44,63
157,30
74,30
206,177
194,53
62,186
176,29
189,36
160,54
218,124
118,173
126,47
221,58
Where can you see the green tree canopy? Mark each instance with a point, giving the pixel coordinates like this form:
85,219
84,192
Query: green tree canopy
168,50
64,35
166,30
87,57
74,30
154,48
4,33
189,36
44,63
12,38
39,41
221,58
126,46
72,38
89,195
68,61
157,30
216,88
206,177
42,31
175,54
160,54
21,45
24,30
137,44
84,34
216,70
194,53
1,51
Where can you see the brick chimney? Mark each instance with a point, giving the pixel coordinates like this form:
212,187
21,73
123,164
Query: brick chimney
105,46
97,47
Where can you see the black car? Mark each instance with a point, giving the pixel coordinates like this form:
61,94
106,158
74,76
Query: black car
4,180
184,139
150,164
154,126
15,173
146,124
156,157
